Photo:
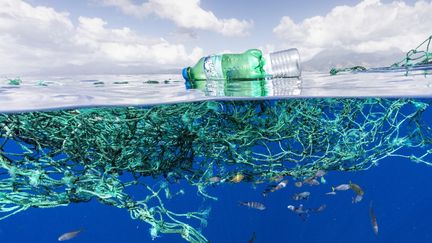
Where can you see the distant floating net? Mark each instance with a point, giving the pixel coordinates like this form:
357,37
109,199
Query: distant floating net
418,59
55,158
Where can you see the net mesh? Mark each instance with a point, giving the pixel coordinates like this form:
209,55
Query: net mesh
55,158
419,58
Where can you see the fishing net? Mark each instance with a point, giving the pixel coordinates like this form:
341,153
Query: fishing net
55,158
421,55
418,59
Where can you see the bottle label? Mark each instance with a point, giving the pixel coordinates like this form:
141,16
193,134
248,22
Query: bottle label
213,67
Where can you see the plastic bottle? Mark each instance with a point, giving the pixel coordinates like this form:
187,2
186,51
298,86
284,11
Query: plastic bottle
249,65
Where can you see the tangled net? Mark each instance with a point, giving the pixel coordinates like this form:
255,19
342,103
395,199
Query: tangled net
55,158
421,55
419,58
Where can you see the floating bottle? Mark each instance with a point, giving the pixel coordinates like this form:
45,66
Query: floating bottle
249,65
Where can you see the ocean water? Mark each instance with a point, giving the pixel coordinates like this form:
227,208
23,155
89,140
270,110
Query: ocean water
391,162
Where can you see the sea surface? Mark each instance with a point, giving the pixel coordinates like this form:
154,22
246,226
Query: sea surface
398,188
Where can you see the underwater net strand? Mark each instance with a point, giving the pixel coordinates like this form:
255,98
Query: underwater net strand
55,158
419,58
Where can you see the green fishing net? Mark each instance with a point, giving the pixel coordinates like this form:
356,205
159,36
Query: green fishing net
56,158
419,58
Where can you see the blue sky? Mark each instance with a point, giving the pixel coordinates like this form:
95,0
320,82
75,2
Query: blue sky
151,34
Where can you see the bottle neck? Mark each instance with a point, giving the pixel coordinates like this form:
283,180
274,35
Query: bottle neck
213,67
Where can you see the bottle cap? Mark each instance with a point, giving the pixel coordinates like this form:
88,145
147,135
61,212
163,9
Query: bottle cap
185,74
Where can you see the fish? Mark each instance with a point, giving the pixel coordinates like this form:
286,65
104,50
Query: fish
273,188
237,178
373,219
331,193
266,192
298,184
356,188
279,186
69,235
300,211
321,208
304,212
214,179
311,181
254,205
357,199
341,187
320,173
301,196
252,239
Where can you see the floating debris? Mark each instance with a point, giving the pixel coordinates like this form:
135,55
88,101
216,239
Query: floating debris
373,219
74,112
41,83
151,82
120,82
301,196
14,81
237,178
254,205
69,235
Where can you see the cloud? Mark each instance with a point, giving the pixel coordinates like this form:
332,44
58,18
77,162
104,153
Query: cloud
37,38
185,14
369,26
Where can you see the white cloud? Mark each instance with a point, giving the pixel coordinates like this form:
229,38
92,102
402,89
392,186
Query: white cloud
36,38
185,14
369,26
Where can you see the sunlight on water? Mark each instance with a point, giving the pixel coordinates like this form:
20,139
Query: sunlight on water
40,93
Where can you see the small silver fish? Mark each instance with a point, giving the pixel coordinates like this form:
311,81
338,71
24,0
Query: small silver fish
301,196
331,193
214,179
69,235
321,208
311,182
357,199
254,205
341,187
320,173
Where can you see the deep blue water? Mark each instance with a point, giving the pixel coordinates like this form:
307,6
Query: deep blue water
400,191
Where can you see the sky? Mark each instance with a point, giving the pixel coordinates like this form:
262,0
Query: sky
120,36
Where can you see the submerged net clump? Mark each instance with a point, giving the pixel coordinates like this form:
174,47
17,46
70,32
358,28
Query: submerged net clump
55,158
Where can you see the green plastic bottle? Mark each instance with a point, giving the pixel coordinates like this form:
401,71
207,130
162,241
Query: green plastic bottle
245,66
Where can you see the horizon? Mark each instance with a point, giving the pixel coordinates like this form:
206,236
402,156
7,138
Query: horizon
106,36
